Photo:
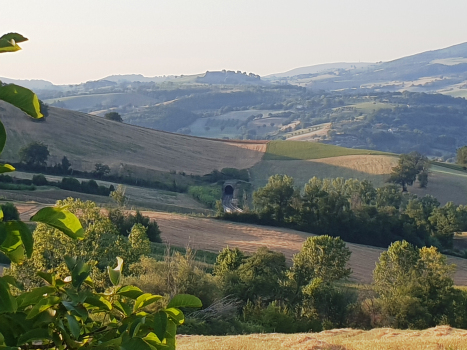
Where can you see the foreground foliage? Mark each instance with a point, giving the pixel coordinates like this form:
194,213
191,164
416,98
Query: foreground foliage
67,314
65,311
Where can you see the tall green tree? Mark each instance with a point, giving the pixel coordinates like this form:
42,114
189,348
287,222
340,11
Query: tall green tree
321,257
275,200
414,286
409,166
462,155
34,154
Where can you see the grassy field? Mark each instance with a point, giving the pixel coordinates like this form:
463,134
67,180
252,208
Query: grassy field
87,139
370,106
288,150
445,184
438,338
213,235
106,100
198,127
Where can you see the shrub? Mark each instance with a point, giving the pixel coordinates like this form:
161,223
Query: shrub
39,180
124,223
10,212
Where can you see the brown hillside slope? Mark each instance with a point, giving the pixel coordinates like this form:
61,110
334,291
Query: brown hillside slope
87,139
213,235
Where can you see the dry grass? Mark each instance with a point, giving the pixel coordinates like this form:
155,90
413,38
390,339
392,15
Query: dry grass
213,235
87,139
376,165
438,338
303,170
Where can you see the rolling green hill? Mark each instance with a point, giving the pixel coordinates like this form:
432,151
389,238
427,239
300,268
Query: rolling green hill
145,153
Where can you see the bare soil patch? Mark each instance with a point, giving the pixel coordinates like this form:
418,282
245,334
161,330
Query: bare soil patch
213,235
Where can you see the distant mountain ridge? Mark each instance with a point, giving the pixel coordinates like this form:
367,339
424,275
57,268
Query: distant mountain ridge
318,68
442,70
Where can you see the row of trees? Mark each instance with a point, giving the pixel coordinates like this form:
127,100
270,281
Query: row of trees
356,211
412,288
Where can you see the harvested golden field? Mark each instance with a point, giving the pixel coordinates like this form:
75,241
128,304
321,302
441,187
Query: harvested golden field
304,170
438,338
86,139
213,235
370,164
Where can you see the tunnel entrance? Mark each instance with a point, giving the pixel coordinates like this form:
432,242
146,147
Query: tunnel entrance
228,190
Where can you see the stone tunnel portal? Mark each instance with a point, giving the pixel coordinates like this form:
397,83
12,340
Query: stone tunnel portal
228,190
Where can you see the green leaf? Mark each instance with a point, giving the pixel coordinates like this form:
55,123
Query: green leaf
43,305
34,335
6,168
184,300
15,36
145,300
12,282
110,344
2,136
70,262
170,334
135,344
99,302
175,315
153,339
48,277
61,219
73,325
76,310
124,308
7,301
8,46
160,324
23,98
80,273
11,243
131,292
135,325
1,214
18,228
116,273
32,297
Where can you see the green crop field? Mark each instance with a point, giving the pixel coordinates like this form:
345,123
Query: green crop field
288,150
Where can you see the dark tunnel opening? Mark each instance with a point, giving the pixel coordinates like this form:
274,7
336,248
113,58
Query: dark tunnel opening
228,190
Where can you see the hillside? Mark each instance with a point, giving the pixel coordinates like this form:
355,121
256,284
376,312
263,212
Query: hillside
443,70
87,139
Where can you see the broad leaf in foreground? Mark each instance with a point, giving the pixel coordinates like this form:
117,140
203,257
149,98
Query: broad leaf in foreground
61,219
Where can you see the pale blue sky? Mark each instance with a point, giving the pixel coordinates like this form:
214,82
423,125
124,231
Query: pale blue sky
73,41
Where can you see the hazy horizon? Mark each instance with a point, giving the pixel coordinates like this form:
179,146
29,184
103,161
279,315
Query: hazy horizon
74,42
